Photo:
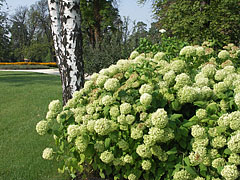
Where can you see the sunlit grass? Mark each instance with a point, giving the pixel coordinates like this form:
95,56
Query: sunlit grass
24,98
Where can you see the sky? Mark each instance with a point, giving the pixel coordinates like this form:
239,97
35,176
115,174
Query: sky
126,8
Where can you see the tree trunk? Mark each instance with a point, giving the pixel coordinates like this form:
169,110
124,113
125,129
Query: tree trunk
67,37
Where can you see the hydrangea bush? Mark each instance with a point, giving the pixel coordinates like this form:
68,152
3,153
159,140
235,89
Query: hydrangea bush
147,118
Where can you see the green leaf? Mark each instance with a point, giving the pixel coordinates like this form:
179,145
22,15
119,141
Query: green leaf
102,175
188,124
203,170
107,142
176,116
221,129
82,158
172,151
187,161
184,131
106,111
193,119
191,171
160,173
201,104
227,151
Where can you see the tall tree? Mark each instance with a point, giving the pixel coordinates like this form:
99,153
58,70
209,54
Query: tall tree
67,37
198,20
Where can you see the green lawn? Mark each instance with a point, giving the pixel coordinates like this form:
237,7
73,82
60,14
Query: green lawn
24,98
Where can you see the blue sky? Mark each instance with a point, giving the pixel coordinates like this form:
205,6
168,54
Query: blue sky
126,7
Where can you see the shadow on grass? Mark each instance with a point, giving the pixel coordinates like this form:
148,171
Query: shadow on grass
28,78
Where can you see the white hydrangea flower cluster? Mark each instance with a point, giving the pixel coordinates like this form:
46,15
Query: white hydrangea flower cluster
146,99
230,172
188,51
159,118
224,54
159,56
146,165
42,127
107,157
47,154
178,66
182,174
111,84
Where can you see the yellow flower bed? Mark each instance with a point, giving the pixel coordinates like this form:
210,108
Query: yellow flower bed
29,63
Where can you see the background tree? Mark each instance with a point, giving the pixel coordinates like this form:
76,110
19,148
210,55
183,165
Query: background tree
198,20
4,39
67,37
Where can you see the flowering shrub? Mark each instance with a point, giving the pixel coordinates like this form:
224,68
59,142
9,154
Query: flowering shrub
146,118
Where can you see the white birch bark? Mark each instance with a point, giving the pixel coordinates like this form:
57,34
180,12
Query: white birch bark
66,30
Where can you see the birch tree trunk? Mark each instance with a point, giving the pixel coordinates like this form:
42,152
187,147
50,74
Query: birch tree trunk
67,37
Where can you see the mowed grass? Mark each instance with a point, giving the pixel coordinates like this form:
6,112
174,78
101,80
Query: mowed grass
24,99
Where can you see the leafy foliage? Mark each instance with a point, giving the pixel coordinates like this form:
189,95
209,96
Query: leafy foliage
196,21
147,118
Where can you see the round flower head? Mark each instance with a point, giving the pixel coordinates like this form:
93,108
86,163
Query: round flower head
90,109
42,127
146,88
107,157
112,84
234,143
128,159
136,133
200,51
188,51
219,142
90,125
224,120
237,99
125,108
198,131
230,172
88,85
156,134
209,70
149,140
159,56
107,100
143,151
114,111
182,80
73,130
130,119
159,118
219,162
81,143
201,113
132,177
169,77
55,106
199,143
220,87
146,99
146,165
234,123
187,94
48,154
122,119
182,175
94,76
113,69
223,54
134,54
101,80
234,159
102,126
178,66
201,82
